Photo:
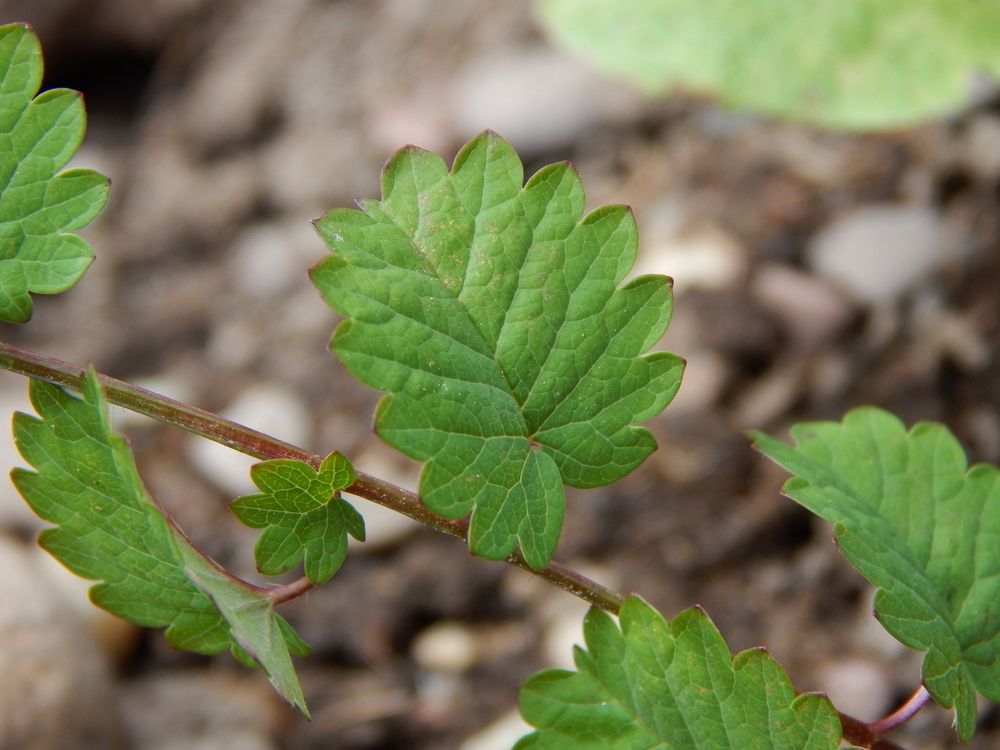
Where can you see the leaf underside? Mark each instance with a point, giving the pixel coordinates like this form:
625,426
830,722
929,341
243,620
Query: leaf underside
39,206
867,64
658,685
493,317
109,529
922,527
302,514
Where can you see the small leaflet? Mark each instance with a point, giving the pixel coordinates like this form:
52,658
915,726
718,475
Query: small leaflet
303,516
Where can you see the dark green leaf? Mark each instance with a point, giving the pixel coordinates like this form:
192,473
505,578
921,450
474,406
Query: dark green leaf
497,321
109,529
923,527
39,207
658,685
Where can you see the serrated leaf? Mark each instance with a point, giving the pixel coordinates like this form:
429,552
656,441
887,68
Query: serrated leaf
672,685
38,206
920,525
493,316
109,529
867,64
302,514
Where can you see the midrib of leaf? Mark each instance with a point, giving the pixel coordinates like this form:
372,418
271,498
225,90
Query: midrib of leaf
543,419
476,221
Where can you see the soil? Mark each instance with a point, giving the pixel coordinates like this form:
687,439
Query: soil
226,126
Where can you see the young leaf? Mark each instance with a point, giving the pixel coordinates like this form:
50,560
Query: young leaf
922,527
109,529
493,317
658,684
38,207
303,516
869,64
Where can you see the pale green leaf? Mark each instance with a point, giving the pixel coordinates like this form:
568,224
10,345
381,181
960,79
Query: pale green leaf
658,685
868,64
496,319
923,527
39,206
302,514
109,529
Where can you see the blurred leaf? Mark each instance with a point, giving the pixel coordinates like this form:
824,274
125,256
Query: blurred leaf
923,527
109,529
493,317
303,516
671,686
867,64
38,206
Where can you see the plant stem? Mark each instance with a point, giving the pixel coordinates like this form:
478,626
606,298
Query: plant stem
259,445
265,447
903,714
859,734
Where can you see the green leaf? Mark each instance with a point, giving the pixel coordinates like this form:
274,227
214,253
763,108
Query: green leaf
921,526
868,64
671,686
302,514
493,317
38,206
109,529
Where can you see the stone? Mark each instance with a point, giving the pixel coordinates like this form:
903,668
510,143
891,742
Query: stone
502,734
195,710
877,253
695,257
857,687
535,98
445,646
808,307
56,689
14,512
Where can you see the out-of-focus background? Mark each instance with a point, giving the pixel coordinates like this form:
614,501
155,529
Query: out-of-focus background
814,271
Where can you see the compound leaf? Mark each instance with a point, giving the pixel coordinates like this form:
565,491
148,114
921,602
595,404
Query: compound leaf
918,523
868,64
109,529
493,316
302,514
38,206
672,685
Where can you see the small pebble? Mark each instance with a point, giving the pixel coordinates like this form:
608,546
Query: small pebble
808,307
702,257
877,253
536,99
502,734
446,647
56,689
857,687
14,512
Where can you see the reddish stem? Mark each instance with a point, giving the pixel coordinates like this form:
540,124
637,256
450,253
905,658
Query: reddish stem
264,447
903,714
259,445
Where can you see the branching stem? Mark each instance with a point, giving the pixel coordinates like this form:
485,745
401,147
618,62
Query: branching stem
259,445
265,447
